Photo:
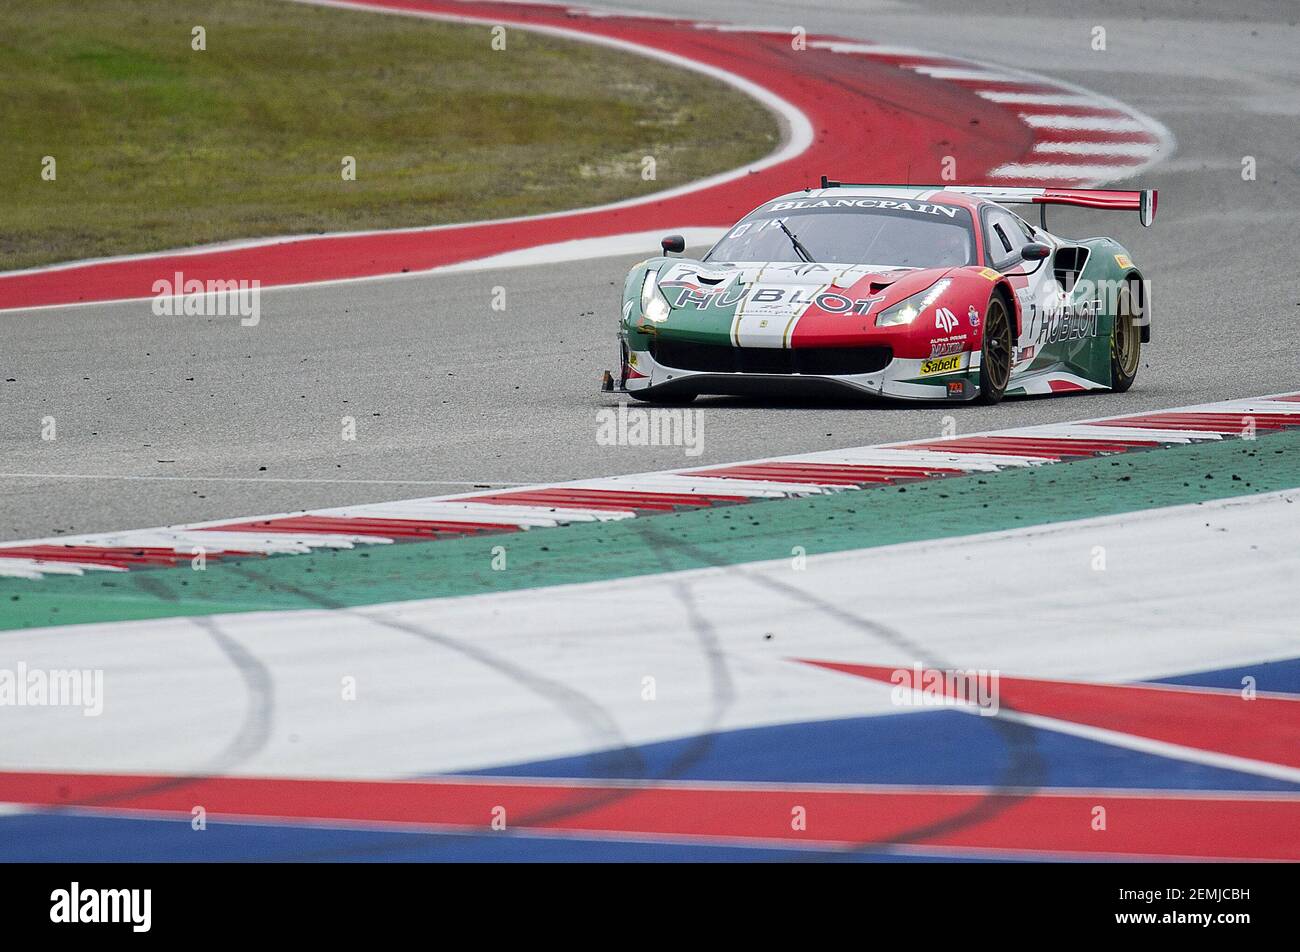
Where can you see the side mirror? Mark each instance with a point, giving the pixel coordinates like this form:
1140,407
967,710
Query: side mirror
1035,251
673,245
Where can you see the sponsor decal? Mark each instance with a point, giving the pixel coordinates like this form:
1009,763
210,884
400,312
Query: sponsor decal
685,274
702,299
775,298
942,348
1025,353
839,304
1027,306
942,365
956,388
810,267
974,316
1062,322
1124,261
944,320
990,274
920,208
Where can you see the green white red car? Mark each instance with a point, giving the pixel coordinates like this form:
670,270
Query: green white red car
917,293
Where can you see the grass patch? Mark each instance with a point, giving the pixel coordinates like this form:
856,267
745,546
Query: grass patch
159,146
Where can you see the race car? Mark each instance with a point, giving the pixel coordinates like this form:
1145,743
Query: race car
919,293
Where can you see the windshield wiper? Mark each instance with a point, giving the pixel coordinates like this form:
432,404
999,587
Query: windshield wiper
799,249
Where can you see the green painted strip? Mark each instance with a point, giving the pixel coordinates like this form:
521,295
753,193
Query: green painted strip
724,536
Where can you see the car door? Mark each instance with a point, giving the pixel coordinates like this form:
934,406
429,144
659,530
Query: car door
1005,234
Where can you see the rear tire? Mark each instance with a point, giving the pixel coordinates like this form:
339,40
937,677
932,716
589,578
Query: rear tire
995,354
1125,344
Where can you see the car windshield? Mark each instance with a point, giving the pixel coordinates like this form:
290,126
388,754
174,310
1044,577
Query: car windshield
868,231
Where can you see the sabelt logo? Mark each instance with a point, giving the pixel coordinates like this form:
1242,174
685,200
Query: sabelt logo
942,365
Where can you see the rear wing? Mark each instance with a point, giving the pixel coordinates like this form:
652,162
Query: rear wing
1142,201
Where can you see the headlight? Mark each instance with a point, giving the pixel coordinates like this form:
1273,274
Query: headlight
653,304
906,310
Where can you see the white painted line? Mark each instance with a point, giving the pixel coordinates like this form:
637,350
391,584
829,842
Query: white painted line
1142,150
215,542
1114,123
448,508
596,13
35,568
1080,432
306,539
412,509
677,483
872,49
1063,171
259,479
961,72
880,456
1035,99
740,28
1159,748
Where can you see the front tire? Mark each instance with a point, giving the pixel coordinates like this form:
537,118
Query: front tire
995,353
1125,344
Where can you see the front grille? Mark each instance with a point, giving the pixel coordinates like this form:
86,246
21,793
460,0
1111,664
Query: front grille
724,359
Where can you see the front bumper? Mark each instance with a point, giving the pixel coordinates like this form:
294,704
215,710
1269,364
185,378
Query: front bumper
900,378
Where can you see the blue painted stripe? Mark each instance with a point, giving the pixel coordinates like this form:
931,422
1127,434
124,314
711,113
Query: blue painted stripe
66,838
938,748
1279,677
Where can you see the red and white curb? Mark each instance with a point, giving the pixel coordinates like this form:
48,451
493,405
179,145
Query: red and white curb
838,98
1078,137
645,494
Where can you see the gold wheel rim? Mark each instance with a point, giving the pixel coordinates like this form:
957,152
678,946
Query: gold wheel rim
1127,339
997,346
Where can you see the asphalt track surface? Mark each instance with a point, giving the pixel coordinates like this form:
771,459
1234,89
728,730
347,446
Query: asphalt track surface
184,419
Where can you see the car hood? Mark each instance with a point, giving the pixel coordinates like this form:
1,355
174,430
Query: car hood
778,273
757,303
